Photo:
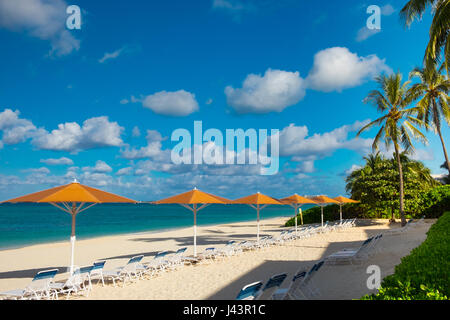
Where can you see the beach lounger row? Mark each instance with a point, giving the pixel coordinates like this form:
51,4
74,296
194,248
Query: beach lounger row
301,286
43,285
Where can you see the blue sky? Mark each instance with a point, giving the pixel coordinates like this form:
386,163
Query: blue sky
100,104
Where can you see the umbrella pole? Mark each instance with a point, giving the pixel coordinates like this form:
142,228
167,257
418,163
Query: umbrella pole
257,219
321,214
72,237
195,229
296,220
340,211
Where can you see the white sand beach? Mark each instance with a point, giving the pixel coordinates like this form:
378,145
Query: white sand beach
220,279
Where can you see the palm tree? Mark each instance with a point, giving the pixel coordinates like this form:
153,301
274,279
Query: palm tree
373,159
439,29
433,104
398,124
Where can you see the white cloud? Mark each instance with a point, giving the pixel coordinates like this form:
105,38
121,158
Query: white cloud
41,170
124,171
96,179
56,162
151,150
274,91
177,103
100,167
94,133
42,19
15,129
337,68
364,33
294,141
112,55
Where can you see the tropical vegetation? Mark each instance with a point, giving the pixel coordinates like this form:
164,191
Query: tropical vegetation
432,95
398,124
376,185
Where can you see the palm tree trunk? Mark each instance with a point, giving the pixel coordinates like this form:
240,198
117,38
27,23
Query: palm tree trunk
443,147
400,172
392,215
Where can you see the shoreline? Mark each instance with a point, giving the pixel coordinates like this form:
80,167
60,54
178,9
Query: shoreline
15,247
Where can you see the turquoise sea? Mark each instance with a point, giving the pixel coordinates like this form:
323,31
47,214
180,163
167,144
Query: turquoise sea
27,224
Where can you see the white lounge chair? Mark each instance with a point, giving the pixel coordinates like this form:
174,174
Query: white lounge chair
301,287
253,291
129,271
76,283
352,255
38,288
158,263
97,271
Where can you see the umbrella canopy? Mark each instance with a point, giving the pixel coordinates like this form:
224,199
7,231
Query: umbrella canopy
73,193
343,200
323,201
296,202
257,199
194,198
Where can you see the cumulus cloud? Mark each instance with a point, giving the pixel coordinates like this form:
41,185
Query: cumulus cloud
94,133
151,150
274,91
337,68
177,103
124,171
295,141
96,179
15,129
100,167
59,161
42,19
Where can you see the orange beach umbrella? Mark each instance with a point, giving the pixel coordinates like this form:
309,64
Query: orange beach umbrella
66,198
323,201
257,199
296,202
343,200
194,198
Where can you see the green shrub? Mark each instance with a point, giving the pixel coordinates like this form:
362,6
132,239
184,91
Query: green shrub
424,273
435,202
